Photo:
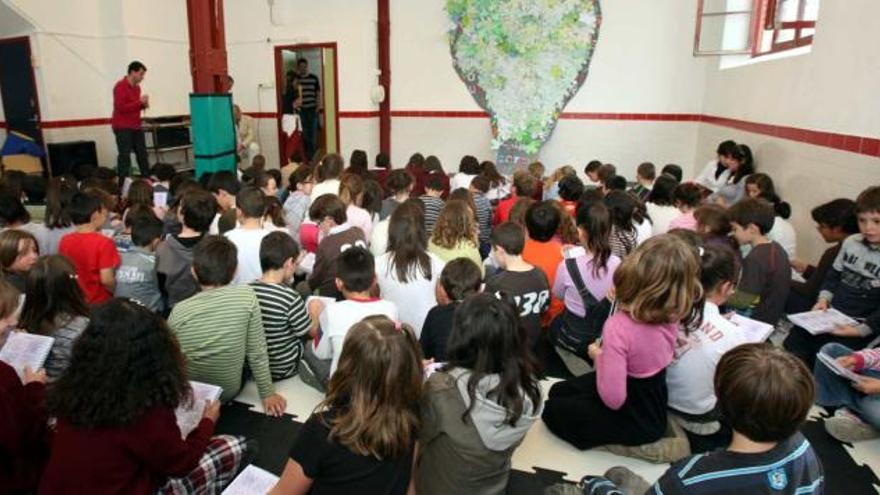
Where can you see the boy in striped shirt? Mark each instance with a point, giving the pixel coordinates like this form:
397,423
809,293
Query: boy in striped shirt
433,201
285,319
222,325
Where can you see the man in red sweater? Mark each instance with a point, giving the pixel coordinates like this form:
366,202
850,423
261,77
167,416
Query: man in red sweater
126,121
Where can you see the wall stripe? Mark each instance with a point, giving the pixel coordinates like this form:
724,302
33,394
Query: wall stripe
864,145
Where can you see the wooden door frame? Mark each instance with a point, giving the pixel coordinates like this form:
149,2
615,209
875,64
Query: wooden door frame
279,85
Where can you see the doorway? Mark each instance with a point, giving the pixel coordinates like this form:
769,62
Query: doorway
321,62
18,88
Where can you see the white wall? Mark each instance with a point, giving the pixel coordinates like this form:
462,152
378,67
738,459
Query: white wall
833,88
642,64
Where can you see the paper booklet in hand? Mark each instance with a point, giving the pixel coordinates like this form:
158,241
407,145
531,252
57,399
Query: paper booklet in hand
838,370
754,331
819,322
25,349
188,418
251,481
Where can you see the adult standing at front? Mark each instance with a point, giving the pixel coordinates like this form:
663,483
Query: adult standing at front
126,122
309,89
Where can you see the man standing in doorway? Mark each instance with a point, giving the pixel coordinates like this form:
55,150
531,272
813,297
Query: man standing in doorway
126,122
309,89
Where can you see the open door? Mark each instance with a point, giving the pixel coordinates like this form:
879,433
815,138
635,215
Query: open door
18,88
299,69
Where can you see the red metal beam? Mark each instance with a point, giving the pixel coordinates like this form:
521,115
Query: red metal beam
384,49
207,46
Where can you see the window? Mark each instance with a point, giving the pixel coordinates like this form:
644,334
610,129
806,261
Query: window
754,28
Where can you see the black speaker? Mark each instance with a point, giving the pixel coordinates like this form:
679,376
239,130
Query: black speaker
65,157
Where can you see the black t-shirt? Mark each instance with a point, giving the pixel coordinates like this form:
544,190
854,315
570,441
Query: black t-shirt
436,330
335,469
530,290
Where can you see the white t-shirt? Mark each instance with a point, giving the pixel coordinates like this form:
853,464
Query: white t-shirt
783,233
644,231
247,241
379,238
707,176
337,318
414,298
460,180
330,186
690,376
661,217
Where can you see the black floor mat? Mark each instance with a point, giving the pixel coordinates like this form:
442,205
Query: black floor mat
275,436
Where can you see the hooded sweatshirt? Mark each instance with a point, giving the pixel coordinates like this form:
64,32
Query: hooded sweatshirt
471,455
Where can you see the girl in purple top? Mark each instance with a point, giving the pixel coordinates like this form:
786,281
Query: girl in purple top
624,400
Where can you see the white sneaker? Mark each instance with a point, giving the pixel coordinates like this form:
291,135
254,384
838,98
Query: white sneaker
847,427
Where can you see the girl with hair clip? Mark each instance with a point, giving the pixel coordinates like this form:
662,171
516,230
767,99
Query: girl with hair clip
624,237
274,218
24,434
760,186
407,273
54,306
361,438
479,406
455,234
624,400
740,165
327,176
351,192
116,431
589,267
59,190
18,253
698,350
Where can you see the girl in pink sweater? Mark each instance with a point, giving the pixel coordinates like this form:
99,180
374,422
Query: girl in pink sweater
624,400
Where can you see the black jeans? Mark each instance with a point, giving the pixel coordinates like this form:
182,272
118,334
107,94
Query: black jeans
309,119
126,141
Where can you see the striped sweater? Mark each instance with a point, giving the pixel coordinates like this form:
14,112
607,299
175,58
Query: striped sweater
217,329
285,322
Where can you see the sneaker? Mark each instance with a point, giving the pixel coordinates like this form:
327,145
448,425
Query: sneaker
847,427
672,447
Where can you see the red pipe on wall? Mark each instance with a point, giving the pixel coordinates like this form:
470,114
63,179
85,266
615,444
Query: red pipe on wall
207,46
384,49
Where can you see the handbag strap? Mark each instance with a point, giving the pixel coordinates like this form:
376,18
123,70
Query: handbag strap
575,274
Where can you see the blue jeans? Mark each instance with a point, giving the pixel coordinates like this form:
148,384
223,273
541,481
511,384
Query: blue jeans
833,390
309,119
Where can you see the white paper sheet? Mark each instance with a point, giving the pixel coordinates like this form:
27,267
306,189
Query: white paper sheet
251,481
754,331
819,322
188,418
25,349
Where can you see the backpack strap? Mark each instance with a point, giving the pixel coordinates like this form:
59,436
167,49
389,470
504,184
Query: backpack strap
575,274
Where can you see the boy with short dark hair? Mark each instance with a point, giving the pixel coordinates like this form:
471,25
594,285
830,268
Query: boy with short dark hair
645,175
460,278
136,276
328,211
92,253
766,275
354,278
221,326
520,280
224,185
162,173
250,207
174,257
285,319
765,395
433,201
591,171
542,250
851,286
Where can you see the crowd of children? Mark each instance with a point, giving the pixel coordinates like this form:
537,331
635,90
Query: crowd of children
426,309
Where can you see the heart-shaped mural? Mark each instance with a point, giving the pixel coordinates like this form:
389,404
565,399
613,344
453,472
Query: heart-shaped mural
522,60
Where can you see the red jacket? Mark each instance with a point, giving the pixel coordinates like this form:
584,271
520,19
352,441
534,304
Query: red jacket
136,459
126,105
23,432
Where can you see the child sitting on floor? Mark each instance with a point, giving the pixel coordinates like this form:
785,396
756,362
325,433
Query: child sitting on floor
93,253
459,279
116,430
624,400
478,408
362,437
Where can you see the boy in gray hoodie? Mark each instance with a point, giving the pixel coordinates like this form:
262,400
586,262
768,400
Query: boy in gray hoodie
478,408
